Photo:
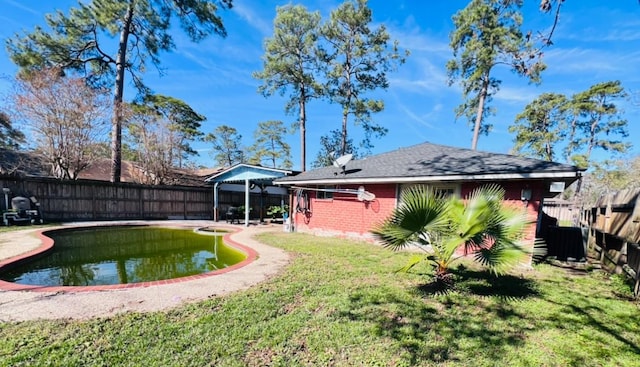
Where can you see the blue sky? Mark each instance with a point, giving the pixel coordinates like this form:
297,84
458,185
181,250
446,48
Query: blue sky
594,42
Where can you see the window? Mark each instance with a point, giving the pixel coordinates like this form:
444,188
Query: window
446,189
324,195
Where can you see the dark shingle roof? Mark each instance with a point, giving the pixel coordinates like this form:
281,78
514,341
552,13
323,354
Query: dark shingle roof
429,161
23,163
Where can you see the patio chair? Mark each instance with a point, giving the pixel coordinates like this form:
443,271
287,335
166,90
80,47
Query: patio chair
232,215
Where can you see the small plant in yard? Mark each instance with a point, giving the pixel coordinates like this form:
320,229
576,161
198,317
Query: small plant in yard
446,228
241,210
277,211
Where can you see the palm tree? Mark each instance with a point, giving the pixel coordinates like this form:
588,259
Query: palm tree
482,225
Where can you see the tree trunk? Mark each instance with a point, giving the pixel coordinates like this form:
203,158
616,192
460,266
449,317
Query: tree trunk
343,144
303,130
481,98
347,105
592,136
572,133
116,123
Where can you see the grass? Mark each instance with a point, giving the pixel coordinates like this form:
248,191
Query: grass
340,303
13,228
4,228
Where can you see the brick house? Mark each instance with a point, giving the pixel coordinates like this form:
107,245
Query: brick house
329,200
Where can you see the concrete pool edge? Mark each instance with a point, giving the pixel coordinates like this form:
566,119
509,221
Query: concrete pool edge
47,244
30,305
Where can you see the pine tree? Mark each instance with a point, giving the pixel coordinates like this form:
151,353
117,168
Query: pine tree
291,62
358,59
83,42
487,33
269,145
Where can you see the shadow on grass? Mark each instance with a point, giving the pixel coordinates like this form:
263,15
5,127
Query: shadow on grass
442,331
477,324
593,315
436,288
443,327
482,283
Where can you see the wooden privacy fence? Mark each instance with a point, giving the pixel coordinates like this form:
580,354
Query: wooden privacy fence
614,232
566,212
98,200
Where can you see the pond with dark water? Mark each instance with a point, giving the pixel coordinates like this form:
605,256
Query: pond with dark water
122,255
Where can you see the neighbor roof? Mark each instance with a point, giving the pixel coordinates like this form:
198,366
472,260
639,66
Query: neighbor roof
29,163
432,162
20,162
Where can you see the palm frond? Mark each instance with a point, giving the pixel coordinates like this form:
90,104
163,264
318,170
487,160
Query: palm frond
482,224
471,219
492,192
421,207
413,261
418,218
395,237
499,259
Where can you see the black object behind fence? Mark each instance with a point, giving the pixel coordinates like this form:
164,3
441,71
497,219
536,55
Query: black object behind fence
565,243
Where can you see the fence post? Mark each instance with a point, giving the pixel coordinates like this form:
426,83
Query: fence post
605,228
140,203
184,203
93,202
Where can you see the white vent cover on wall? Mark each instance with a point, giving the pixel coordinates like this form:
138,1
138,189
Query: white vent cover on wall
556,187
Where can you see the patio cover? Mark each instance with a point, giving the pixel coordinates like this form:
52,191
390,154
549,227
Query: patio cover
248,174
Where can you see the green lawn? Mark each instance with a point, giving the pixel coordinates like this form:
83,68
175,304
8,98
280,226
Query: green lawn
340,303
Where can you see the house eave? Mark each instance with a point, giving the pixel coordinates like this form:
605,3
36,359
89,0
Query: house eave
450,178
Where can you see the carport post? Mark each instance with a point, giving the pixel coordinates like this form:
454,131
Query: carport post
246,202
215,201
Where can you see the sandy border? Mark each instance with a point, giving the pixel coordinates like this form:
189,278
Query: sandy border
82,304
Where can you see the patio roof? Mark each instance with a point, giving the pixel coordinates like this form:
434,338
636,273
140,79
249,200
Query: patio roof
247,174
243,172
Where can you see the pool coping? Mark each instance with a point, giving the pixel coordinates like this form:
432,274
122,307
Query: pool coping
47,244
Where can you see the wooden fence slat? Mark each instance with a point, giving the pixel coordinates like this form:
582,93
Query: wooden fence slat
614,233
98,200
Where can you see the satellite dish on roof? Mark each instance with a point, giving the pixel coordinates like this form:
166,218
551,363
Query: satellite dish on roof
342,161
